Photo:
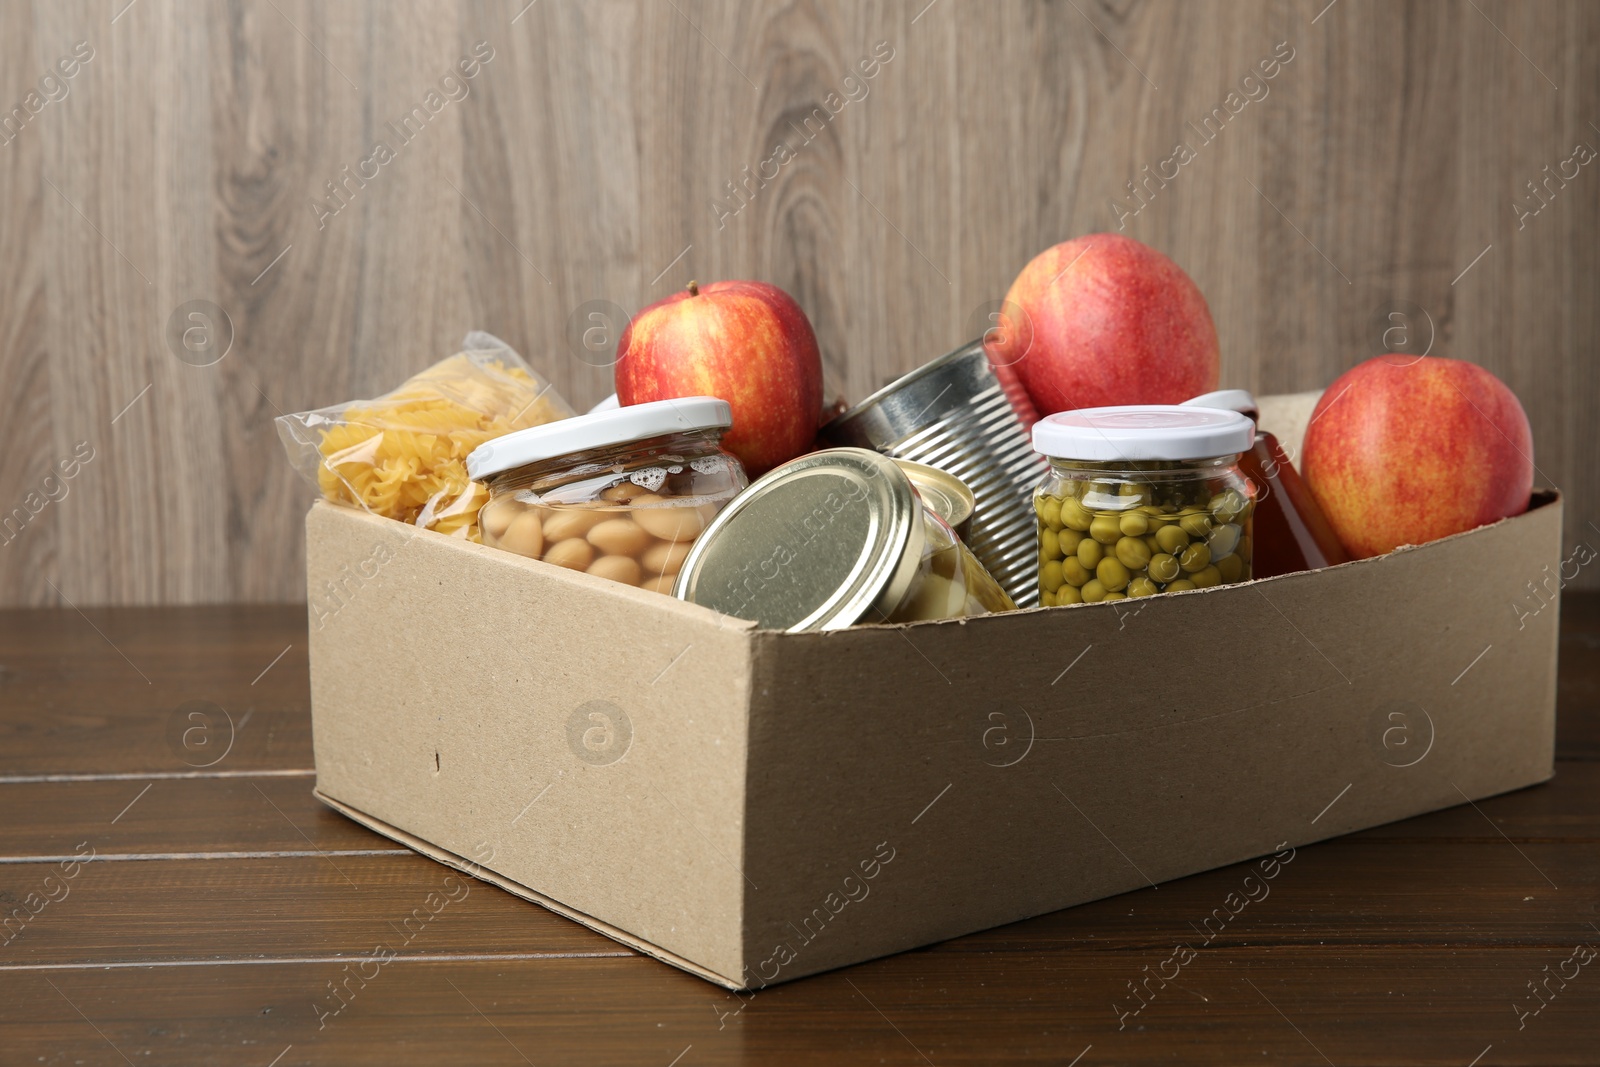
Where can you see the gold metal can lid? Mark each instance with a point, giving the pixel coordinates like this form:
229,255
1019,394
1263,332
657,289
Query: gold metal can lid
820,543
947,496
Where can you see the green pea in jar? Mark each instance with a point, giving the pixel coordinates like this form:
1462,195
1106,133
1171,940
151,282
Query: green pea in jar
1142,500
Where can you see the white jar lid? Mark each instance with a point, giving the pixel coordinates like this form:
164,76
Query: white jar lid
1143,431
599,429
1240,400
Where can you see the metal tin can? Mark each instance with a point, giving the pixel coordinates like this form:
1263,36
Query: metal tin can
957,415
832,539
946,494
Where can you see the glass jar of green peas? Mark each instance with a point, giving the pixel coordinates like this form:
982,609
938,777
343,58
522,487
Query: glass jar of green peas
1142,500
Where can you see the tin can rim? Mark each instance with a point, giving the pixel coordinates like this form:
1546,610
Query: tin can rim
952,499
932,366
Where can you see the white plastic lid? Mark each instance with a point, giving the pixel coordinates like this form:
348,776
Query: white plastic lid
1240,400
611,403
1143,431
598,429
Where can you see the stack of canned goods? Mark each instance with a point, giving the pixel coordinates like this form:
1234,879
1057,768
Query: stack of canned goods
956,415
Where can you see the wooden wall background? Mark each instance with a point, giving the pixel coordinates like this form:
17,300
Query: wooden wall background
182,161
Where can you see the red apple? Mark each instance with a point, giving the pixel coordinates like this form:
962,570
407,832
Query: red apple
1103,320
1402,450
745,342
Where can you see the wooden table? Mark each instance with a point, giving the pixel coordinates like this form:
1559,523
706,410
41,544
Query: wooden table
223,906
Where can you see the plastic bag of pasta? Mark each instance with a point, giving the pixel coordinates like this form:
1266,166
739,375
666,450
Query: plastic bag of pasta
404,455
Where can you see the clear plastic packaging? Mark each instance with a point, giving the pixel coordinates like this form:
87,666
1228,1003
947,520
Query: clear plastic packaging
403,455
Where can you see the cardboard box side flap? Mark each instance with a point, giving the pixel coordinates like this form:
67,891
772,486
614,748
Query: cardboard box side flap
466,866
1021,763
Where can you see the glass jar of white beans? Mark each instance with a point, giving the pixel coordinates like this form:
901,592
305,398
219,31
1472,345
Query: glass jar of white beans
620,494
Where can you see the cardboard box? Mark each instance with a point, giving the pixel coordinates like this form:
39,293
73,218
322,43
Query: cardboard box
754,806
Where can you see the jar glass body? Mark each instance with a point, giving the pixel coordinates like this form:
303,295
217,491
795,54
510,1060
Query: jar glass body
1111,530
1295,535
626,512
950,583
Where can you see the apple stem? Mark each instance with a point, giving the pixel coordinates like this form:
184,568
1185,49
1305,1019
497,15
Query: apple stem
694,288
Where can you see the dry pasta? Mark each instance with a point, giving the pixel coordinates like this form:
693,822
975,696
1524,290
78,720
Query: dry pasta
404,455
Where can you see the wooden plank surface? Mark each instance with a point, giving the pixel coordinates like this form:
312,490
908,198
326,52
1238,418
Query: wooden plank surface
344,902
590,159
214,690
1578,736
324,904
227,917
1236,1006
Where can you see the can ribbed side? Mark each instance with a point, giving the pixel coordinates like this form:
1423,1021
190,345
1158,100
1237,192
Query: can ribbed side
986,445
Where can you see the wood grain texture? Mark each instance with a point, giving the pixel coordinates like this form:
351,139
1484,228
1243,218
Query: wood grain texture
337,901
595,158
1039,1008
205,691
333,904
229,918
